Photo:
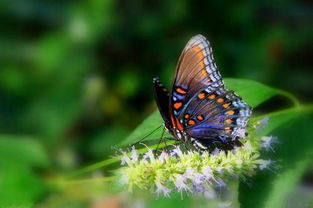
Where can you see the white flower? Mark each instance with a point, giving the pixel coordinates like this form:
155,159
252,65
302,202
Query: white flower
134,155
126,160
241,133
263,164
268,141
149,155
197,178
177,151
162,189
261,124
220,170
189,173
163,156
180,183
207,173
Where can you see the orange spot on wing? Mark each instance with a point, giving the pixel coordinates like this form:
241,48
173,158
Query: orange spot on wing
230,112
178,124
228,121
201,65
187,116
191,122
225,105
228,129
198,50
201,95
181,91
220,100
200,117
203,73
177,105
173,121
212,96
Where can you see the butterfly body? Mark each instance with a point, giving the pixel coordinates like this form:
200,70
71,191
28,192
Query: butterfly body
199,109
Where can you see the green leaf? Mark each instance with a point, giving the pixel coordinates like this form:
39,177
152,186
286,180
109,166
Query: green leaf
22,149
252,92
292,155
19,184
151,123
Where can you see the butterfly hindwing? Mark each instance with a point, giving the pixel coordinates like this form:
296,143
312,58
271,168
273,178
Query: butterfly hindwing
162,98
219,113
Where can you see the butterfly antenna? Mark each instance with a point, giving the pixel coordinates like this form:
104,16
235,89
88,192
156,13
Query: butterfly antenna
146,136
161,139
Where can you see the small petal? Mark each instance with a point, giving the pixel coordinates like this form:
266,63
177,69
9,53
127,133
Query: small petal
163,156
180,183
162,189
198,178
134,155
261,124
189,173
149,155
241,133
126,160
177,151
264,164
207,172
267,142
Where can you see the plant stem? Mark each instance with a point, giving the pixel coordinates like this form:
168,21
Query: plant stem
289,96
110,161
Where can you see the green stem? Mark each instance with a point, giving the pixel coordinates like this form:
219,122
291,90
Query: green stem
300,108
289,96
61,183
110,161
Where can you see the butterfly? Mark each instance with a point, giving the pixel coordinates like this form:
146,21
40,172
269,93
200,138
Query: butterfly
199,110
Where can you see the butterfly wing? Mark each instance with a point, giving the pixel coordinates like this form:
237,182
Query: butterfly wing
199,101
162,98
195,71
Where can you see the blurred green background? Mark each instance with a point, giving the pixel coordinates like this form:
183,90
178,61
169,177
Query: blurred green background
75,76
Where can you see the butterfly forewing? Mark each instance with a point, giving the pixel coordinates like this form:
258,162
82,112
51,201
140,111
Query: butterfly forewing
195,71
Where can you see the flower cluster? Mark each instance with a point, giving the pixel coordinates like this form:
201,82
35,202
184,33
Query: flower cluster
190,171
